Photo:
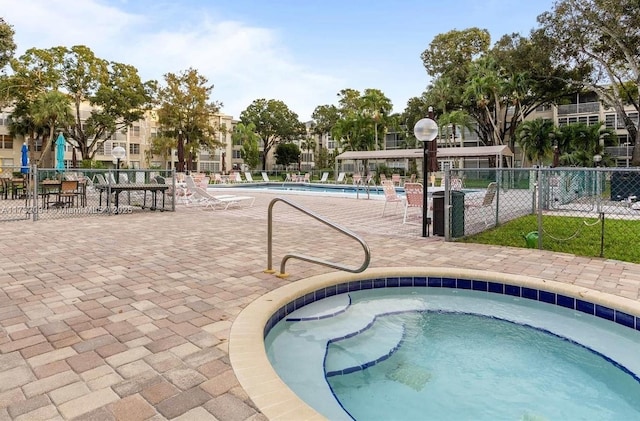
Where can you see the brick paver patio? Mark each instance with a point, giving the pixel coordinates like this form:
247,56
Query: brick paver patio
127,317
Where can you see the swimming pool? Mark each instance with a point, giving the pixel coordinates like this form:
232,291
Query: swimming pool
337,190
267,311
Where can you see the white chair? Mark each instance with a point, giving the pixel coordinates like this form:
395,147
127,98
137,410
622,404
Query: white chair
342,177
390,195
484,204
214,202
248,177
265,177
325,177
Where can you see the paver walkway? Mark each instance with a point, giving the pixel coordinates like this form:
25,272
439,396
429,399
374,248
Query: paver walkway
127,317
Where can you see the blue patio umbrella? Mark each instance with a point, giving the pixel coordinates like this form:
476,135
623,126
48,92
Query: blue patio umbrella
60,152
24,169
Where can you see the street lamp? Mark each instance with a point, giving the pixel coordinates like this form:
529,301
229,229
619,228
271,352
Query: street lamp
425,130
118,153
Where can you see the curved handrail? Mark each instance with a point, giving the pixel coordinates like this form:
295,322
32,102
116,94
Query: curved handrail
303,257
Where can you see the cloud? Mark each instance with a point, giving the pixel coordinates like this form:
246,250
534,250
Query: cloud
243,62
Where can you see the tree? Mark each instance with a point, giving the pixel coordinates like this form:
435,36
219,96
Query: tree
274,123
113,90
453,121
496,87
324,118
308,144
162,146
535,138
579,143
600,36
7,44
250,141
287,153
185,113
378,107
52,110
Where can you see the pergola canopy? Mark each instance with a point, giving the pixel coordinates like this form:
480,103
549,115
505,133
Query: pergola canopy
464,152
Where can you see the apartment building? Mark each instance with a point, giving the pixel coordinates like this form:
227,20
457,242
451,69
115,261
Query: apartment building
586,108
136,140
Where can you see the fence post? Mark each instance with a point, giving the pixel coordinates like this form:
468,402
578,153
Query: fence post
537,191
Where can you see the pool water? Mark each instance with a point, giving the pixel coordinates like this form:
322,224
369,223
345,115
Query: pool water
435,353
463,366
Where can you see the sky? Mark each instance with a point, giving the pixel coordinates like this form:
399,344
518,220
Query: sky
301,52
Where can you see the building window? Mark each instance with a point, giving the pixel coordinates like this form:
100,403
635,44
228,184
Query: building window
6,141
236,154
7,162
134,149
135,131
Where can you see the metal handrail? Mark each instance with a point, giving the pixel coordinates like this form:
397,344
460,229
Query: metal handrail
349,233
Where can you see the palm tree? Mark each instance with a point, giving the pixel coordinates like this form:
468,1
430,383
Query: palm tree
454,120
535,137
580,143
51,109
377,106
162,146
308,144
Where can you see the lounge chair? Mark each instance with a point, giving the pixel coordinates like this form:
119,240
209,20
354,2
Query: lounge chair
342,178
484,204
357,179
265,177
214,202
306,179
390,195
325,177
248,177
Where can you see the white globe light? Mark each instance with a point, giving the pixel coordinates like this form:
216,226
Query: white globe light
425,130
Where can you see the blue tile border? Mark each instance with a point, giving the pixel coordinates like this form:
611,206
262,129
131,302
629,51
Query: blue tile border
619,317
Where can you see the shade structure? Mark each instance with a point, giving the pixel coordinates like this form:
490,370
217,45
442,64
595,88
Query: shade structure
60,152
24,168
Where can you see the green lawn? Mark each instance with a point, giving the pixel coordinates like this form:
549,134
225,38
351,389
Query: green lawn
579,236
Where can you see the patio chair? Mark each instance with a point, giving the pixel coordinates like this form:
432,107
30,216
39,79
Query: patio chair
265,177
357,179
484,204
396,179
217,178
248,177
390,195
238,178
325,177
414,199
68,192
342,178
306,179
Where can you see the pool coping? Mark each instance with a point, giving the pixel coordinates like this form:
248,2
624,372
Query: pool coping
277,401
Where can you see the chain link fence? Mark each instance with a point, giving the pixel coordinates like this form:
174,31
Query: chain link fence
41,193
586,211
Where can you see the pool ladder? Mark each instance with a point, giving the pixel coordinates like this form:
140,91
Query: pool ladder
345,231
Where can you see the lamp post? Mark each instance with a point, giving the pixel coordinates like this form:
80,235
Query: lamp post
118,153
425,130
